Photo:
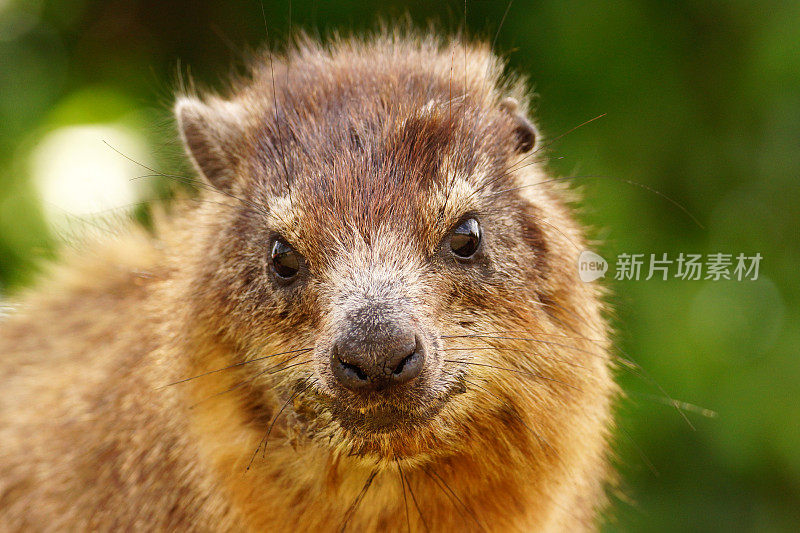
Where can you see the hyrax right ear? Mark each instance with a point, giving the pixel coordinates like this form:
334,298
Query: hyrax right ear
525,133
212,134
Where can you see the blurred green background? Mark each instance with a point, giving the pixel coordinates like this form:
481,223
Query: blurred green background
702,103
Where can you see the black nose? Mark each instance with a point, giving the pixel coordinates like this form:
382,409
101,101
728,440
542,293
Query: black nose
377,362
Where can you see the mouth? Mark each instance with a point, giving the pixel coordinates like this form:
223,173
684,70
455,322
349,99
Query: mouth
384,421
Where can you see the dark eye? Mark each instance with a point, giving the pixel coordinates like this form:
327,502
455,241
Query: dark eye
285,261
466,238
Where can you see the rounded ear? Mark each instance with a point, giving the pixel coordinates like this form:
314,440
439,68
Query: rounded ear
525,133
212,134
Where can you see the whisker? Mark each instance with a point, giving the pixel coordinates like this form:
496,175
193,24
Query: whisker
185,179
269,371
301,350
453,496
499,28
646,460
275,109
264,439
542,441
518,371
627,360
623,180
540,220
685,406
200,185
519,331
630,364
413,498
506,173
597,342
503,348
351,511
403,489
486,75
560,136
530,339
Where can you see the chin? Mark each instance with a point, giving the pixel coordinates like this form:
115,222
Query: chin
389,432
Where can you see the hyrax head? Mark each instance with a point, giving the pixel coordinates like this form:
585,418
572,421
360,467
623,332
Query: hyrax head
377,236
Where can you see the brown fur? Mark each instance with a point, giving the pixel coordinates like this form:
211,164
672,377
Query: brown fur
363,155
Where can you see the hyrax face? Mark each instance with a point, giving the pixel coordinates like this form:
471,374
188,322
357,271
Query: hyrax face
385,258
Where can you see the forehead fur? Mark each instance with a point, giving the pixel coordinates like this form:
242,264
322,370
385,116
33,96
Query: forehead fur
360,134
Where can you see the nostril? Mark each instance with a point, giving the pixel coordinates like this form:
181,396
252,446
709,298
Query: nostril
410,366
403,364
350,375
353,369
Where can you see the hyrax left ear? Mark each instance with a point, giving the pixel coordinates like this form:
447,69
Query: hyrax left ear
213,135
525,133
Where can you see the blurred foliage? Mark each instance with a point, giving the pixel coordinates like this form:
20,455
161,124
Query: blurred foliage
702,103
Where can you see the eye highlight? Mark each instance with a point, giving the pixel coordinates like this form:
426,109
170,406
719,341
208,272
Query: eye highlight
285,260
466,238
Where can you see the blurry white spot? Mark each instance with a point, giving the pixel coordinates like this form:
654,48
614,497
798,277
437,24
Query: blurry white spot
78,175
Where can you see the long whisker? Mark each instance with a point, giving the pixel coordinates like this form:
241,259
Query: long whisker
505,349
488,336
516,370
530,339
632,365
413,498
351,511
269,371
503,335
623,180
275,109
627,360
492,48
264,439
500,27
540,220
542,441
685,406
527,159
557,137
518,331
242,363
403,489
646,460
452,495
504,175
186,179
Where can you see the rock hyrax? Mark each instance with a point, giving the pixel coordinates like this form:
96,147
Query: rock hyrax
370,320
